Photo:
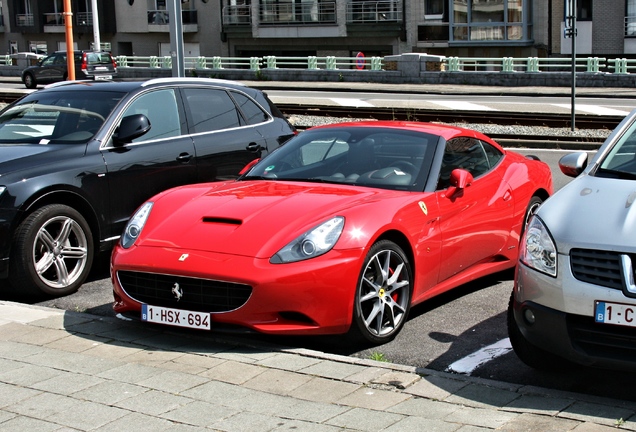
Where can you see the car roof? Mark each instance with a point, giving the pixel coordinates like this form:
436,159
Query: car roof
443,130
128,86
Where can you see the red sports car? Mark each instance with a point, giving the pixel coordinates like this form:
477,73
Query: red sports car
342,229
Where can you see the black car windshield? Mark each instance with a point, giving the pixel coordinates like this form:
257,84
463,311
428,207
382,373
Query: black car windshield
389,158
68,117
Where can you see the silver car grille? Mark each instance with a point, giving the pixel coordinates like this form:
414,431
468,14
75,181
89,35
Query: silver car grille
597,267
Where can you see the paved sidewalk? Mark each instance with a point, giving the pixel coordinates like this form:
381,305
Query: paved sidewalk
66,371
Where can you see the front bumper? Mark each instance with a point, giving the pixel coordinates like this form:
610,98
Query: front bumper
564,323
315,296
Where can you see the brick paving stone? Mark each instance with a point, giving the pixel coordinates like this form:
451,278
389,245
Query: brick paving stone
15,331
277,381
87,415
318,412
113,350
435,387
397,379
73,343
11,394
153,402
109,392
528,422
371,398
480,396
28,375
73,362
199,413
337,370
303,426
216,392
481,417
233,372
152,358
288,362
323,390
365,420
364,374
425,408
22,423
67,383
173,381
596,413
538,404
130,373
419,424
42,336
43,405
138,423
594,427
244,354
249,422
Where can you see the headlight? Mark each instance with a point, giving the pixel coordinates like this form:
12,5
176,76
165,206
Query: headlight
313,243
537,248
2,189
135,225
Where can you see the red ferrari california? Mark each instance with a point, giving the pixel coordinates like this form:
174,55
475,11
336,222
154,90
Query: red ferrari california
342,229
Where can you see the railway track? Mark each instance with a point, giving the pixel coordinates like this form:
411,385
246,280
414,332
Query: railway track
549,121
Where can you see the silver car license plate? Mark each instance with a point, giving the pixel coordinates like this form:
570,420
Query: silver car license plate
615,313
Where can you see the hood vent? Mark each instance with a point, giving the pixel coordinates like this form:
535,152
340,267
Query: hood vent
221,220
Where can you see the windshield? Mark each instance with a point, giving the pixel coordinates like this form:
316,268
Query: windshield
620,162
56,117
388,158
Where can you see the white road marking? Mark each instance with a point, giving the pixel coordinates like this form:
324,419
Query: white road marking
351,102
471,362
462,106
594,109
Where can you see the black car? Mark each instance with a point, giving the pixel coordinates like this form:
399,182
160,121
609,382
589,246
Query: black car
53,68
77,158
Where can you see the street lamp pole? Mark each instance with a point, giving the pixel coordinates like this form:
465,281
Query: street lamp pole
97,43
176,38
68,26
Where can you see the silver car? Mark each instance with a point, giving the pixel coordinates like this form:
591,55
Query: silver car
574,299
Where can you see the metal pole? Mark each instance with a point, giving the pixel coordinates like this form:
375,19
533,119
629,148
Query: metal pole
573,64
176,38
68,25
97,44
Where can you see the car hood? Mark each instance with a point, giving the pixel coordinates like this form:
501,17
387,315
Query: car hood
16,157
593,213
253,219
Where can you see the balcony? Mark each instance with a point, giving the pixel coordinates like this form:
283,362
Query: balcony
298,13
159,20
24,20
630,26
237,15
374,12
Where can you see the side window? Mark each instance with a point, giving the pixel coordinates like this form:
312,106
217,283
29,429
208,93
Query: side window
493,155
160,106
251,111
60,60
210,110
48,61
465,153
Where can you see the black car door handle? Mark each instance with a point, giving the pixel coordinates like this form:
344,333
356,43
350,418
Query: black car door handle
184,157
254,147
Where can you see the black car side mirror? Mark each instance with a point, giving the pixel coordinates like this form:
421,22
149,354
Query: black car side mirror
131,127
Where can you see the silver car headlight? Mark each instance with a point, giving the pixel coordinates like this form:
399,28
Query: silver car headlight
313,243
135,225
537,248
2,189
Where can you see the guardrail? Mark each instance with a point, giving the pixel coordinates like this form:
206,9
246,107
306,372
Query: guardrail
616,66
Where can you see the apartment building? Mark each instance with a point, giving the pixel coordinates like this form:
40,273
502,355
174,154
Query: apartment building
242,28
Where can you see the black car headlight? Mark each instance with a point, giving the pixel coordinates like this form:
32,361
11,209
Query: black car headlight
135,225
538,250
313,243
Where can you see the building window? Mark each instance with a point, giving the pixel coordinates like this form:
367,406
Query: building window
434,8
630,18
479,21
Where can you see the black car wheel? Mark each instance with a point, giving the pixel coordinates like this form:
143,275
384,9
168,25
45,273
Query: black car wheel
29,81
383,295
52,252
528,353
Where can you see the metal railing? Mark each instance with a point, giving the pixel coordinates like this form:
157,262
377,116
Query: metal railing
374,11
24,20
630,26
527,64
162,17
297,13
237,15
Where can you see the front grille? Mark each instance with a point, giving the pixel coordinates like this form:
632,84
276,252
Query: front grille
597,267
602,340
201,295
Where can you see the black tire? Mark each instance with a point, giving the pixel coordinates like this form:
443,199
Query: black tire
52,252
528,353
383,295
29,81
533,206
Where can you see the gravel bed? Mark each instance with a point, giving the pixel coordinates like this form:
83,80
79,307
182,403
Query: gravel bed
487,129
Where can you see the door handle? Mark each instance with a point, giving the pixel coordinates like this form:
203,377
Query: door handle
184,157
254,147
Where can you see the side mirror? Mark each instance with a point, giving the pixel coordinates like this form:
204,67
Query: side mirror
460,179
573,164
131,127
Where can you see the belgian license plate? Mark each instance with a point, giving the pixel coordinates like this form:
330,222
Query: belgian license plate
175,317
615,313
103,77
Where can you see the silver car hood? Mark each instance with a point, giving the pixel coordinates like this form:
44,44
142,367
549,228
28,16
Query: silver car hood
593,213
